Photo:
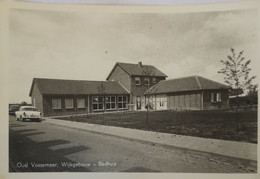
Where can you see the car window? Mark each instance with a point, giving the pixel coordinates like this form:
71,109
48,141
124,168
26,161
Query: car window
28,109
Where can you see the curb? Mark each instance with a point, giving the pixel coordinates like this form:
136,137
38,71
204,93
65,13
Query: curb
240,150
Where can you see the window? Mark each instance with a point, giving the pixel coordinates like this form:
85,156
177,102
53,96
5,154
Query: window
69,103
137,81
215,97
81,103
98,103
56,103
138,102
154,80
161,102
110,102
146,81
122,101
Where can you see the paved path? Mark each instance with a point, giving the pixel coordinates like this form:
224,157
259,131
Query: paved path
222,147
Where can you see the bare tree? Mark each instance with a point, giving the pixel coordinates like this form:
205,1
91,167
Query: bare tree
236,73
149,74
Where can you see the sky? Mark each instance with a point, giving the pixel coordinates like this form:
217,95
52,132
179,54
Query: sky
86,46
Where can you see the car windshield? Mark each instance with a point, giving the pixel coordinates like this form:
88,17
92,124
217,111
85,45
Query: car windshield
28,109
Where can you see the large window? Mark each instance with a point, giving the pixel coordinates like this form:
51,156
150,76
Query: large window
122,101
215,97
110,102
69,103
56,103
98,103
137,81
80,103
146,81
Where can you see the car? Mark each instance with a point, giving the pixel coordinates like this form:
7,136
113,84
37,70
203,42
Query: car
13,108
28,112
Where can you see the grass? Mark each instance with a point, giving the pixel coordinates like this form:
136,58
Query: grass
207,124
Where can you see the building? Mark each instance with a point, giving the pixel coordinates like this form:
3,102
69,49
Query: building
136,79
128,87
54,97
188,93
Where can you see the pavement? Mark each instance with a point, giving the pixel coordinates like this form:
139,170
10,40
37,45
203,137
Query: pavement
240,150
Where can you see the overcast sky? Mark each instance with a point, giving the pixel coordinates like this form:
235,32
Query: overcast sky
85,46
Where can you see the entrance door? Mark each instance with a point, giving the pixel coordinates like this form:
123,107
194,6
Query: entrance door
138,102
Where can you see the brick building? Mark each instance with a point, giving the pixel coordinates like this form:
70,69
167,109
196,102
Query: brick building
137,79
190,93
54,97
128,87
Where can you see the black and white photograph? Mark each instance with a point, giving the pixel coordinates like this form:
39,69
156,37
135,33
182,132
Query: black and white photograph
131,90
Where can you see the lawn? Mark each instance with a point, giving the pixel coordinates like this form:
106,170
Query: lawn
207,124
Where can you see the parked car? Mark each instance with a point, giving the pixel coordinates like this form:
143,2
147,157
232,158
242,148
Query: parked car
13,108
28,112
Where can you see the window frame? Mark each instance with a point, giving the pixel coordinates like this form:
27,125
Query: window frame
81,107
154,80
52,102
122,102
98,103
217,96
146,79
137,84
110,102
69,107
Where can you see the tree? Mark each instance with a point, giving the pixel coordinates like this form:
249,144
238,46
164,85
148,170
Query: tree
236,70
148,73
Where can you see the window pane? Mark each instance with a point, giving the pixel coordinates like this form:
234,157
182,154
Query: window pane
120,105
119,98
100,99
56,103
68,103
107,99
81,103
124,99
124,105
95,99
100,106
113,105
95,106
113,99
108,106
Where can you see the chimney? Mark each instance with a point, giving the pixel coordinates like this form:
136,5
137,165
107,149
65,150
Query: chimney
140,64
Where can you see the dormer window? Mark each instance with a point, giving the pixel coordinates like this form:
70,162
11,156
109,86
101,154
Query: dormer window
137,81
146,81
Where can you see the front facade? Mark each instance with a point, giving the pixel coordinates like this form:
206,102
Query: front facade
189,93
59,97
128,87
136,79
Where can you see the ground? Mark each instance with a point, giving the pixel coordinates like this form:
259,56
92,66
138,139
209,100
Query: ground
33,144
208,124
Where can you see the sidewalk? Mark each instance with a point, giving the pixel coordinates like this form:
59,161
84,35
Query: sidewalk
222,147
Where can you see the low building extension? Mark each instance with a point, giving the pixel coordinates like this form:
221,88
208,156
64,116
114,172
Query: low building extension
55,97
188,93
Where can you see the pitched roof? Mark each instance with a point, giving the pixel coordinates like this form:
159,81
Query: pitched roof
137,70
191,83
76,87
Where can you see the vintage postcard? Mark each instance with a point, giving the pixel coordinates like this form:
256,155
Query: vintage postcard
130,91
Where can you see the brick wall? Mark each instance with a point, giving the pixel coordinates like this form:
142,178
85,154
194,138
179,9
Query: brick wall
121,77
207,104
37,98
48,111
